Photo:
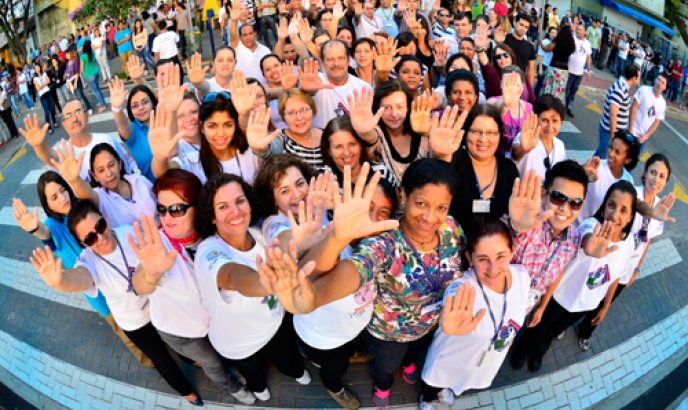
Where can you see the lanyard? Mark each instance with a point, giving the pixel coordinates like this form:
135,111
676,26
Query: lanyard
130,271
545,266
489,308
131,188
236,156
434,280
481,191
372,23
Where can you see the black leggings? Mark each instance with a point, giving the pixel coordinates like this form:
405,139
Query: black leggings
585,328
280,350
148,340
429,393
333,363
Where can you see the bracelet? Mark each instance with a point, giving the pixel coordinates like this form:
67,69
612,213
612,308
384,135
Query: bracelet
34,230
116,109
482,50
145,279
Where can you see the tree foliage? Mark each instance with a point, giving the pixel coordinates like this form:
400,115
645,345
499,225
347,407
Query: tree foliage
14,19
110,8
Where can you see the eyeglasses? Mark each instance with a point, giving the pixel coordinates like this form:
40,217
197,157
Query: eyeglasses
213,96
501,56
548,163
556,198
443,15
303,111
143,103
481,133
176,210
73,114
92,237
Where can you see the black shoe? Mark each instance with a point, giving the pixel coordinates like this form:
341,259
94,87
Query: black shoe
570,113
517,362
534,365
198,402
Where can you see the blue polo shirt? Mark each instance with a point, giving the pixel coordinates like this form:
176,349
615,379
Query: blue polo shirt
81,42
121,35
140,148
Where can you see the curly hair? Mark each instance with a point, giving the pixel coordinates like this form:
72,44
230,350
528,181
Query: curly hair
269,176
205,215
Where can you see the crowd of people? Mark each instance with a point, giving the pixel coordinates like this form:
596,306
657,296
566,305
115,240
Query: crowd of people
386,182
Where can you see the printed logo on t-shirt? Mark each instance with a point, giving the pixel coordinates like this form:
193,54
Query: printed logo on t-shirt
651,111
277,227
271,301
363,297
506,335
598,277
214,256
341,110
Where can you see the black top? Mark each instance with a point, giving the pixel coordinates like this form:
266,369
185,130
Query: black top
605,36
461,207
56,76
428,61
524,50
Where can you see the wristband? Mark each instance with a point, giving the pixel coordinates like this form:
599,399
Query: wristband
145,279
116,109
34,230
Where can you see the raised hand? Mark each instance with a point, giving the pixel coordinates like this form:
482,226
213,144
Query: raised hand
289,75
294,27
338,11
597,244
135,67
499,35
161,141
352,210
283,8
440,52
118,95
420,113
525,206
512,89
169,89
310,78
323,188
446,133
28,221
33,132
243,94
47,266
402,6
235,10
282,29
305,31
68,165
308,231
530,133
481,39
361,111
358,7
155,259
457,314
257,134
385,57
661,211
592,168
195,70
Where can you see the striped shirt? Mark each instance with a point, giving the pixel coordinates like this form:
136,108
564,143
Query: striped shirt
283,144
619,94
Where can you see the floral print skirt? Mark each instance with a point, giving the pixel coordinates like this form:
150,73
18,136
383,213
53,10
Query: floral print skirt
555,82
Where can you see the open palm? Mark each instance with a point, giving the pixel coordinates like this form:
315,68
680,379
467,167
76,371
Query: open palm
155,259
457,315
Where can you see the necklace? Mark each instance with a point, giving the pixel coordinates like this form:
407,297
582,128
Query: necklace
422,243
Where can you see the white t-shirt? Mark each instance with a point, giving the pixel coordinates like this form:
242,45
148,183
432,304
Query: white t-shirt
654,229
99,138
578,58
98,41
452,361
546,55
40,80
598,189
176,306
535,159
23,87
239,325
333,103
623,53
249,61
119,211
639,57
131,312
214,87
650,108
189,158
243,164
585,279
165,44
367,27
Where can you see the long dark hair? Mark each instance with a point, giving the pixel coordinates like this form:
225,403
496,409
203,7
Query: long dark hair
43,181
211,165
341,123
626,187
388,88
77,213
206,211
105,147
136,90
565,40
88,50
657,158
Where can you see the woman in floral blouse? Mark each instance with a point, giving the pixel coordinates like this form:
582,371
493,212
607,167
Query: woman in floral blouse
411,265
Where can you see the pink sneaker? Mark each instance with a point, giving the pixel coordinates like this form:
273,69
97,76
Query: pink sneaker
410,374
381,398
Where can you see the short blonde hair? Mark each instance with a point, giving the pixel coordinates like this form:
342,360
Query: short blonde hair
299,94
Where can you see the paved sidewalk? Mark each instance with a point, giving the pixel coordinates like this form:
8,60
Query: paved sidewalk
57,352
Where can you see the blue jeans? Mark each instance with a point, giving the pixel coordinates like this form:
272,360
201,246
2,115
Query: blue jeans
79,91
389,355
147,58
27,100
620,65
15,106
49,108
605,138
571,89
94,84
673,89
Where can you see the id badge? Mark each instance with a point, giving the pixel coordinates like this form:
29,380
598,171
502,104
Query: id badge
431,308
481,206
486,357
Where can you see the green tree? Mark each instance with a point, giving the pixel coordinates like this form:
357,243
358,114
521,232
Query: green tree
109,8
14,18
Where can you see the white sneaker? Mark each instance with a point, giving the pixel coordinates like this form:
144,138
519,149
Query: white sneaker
446,397
305,379
263,395
244,396
426,405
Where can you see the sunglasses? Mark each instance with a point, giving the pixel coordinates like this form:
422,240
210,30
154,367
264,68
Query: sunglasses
176,210
213,96
501,56
556,198
547,163
92,237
